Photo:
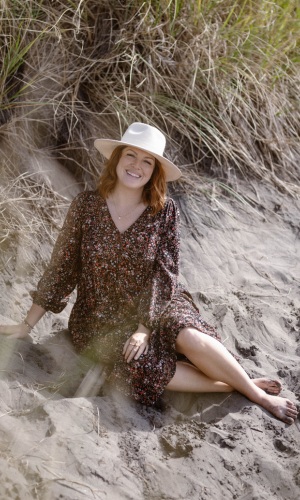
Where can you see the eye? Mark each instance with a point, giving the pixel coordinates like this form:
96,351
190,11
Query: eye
148,162
130,154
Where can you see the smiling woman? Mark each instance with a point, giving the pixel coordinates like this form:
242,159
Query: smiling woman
137,165
144,171
120,246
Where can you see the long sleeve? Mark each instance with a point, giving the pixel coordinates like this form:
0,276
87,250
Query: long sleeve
61,276
162,282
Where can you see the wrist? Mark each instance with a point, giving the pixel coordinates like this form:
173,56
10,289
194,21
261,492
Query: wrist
24,330
143,329
28,326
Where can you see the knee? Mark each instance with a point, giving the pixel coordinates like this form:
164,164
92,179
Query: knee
190,338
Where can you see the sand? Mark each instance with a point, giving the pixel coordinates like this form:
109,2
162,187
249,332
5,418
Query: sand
244,274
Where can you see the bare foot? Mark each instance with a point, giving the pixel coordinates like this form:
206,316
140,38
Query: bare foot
268,385
282,408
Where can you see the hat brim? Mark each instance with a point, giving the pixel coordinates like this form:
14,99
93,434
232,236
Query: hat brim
106,147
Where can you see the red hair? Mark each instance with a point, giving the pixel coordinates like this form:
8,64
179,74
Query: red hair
154,193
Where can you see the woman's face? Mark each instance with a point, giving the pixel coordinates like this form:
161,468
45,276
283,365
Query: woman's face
135,167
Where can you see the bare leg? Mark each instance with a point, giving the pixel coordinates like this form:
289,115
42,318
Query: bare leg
213,359
188,378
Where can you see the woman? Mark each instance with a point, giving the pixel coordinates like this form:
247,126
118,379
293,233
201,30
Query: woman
120,246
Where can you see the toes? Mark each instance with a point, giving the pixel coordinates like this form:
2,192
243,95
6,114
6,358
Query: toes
271,392
272,389
275,383
291,413
289,403
272,386
276,386
289,420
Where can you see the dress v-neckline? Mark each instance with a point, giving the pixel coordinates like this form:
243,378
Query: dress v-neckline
131,225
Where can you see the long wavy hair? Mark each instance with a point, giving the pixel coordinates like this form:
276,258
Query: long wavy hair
154,193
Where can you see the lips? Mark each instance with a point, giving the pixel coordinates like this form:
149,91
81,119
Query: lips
135,176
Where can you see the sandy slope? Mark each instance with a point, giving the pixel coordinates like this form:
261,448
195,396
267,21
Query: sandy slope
244,273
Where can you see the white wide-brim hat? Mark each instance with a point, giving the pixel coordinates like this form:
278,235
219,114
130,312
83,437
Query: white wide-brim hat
147,138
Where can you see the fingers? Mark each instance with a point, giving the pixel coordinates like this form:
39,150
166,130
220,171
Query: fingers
136,345
140,351
135,351
143,350
132,353
17,336
129,345
9,329
14,331
5,330
126,345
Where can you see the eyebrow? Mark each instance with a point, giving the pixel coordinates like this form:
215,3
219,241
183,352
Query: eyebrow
149,157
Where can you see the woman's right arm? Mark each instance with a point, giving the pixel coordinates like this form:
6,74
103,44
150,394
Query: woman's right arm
61,276
22,330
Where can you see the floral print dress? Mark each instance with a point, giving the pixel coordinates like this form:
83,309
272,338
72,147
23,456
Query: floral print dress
122,279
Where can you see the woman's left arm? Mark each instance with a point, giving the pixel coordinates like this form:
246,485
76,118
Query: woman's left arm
162,282
161,285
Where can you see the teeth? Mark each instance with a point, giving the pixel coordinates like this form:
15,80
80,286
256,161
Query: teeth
133,175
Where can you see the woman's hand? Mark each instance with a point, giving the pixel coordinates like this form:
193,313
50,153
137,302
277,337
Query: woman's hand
137,344
21,331
15,331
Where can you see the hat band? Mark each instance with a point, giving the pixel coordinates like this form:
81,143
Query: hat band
144,145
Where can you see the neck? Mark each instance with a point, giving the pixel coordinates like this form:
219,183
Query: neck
123,196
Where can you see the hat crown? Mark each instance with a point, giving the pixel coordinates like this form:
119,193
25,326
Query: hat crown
141,135
145,137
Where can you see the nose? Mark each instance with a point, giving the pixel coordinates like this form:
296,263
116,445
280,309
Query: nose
136,163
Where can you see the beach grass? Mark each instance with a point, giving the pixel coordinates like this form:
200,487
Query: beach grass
220,79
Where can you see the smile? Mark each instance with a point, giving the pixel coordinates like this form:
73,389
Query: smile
133,175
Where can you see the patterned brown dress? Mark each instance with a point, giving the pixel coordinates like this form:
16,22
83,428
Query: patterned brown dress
122,280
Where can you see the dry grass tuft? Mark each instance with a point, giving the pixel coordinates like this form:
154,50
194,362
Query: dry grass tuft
220,79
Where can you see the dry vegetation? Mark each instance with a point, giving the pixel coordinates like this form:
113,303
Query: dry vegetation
220,78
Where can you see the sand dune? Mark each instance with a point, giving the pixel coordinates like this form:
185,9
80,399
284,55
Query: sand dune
244,274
